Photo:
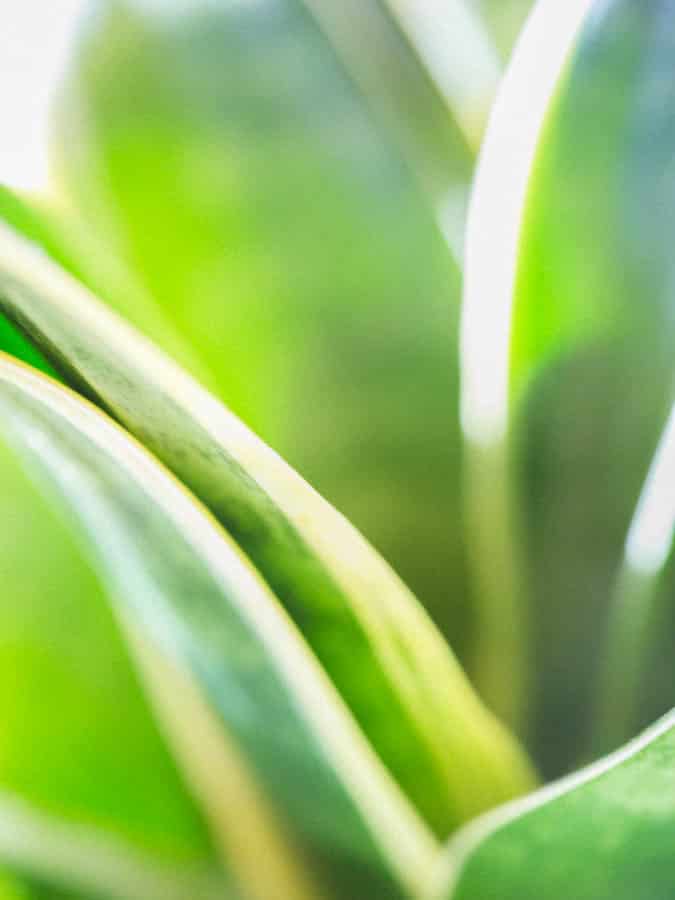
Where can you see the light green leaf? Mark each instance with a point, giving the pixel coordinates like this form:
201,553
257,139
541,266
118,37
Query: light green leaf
493,244
432,130
604,833
391,666
454,43
77,739
593,350
51,858
67,240
74,721
505,19
637,673
11,888
582,373
231,677
262,194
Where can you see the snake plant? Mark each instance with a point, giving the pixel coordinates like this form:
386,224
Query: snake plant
429,263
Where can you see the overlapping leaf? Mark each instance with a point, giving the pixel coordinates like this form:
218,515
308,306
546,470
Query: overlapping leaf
494,241
74,722
75,725
591,370
229,673
385,657
596,271
263,196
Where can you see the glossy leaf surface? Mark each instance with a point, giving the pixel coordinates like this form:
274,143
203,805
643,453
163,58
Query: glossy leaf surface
221,657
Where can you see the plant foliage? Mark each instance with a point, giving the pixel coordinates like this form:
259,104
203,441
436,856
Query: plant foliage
212,685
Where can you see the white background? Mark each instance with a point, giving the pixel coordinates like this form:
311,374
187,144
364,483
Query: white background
35,39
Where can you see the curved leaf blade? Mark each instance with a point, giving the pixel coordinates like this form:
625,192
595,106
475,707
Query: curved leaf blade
572,409
392,667
256,186
493,239
78,741
185,588
505,18
84,862
636,682
592,356
453,42
604,833
71,243
392,76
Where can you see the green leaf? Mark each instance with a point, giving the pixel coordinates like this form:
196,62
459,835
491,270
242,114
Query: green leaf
593,330
505,19
638,664
11,888
239,693
262,195
494,242
583,367
433,131
77,739
604,833
68,241
49,858
387,660
453,42
74,721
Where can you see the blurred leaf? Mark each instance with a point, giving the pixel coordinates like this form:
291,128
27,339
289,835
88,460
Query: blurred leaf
457,48
74,722
593,343
392,667
591,371
67,240
77,739
604,833
651,689
11,888
53,860
221,657
637,671
639,658
384,59
266,205
505,18
494,243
